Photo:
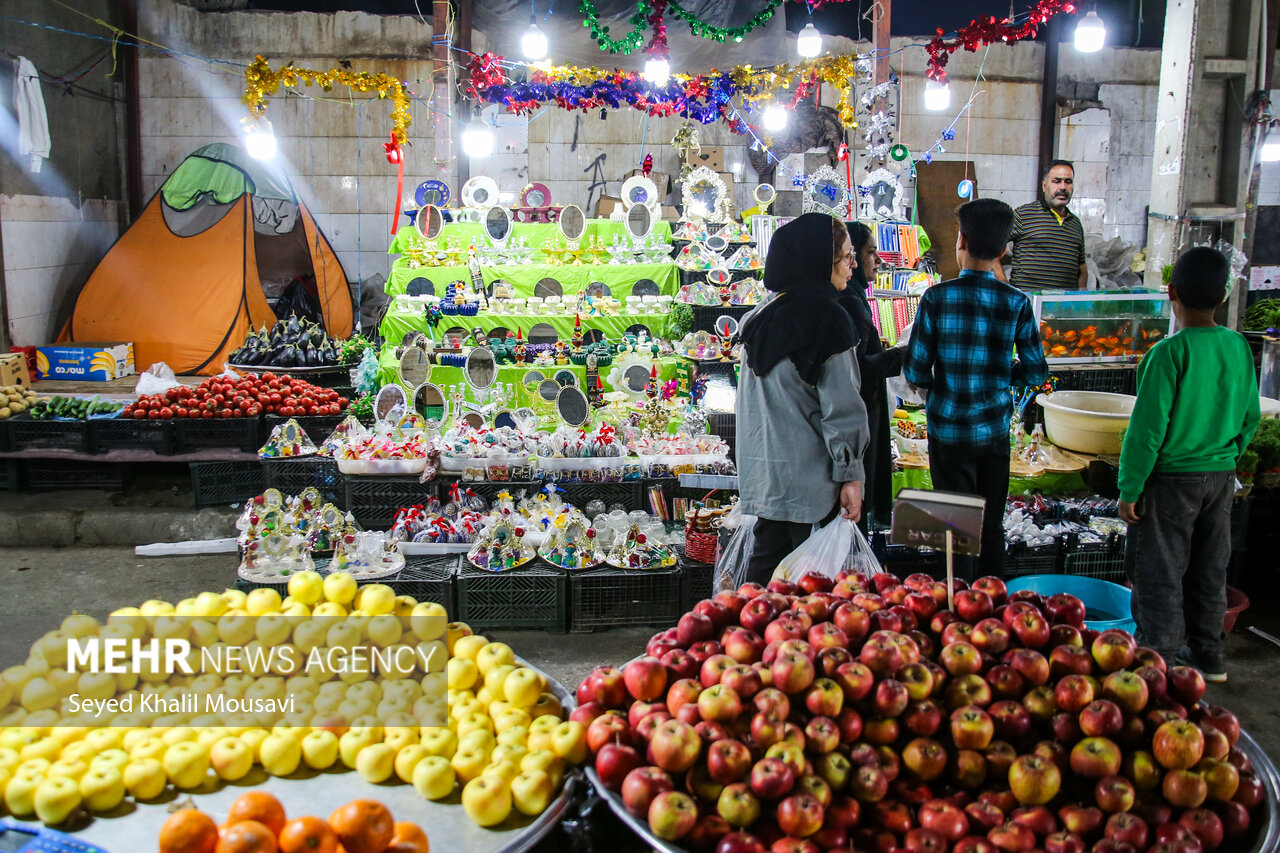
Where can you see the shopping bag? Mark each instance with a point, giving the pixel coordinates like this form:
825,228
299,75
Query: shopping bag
737,541
156,379
838,547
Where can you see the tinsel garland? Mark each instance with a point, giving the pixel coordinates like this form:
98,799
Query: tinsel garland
261,82
988,30
600,34
704,98
648,11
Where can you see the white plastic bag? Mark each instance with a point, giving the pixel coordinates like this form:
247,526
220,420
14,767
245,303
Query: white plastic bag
157,379
737,541
909,394
840,546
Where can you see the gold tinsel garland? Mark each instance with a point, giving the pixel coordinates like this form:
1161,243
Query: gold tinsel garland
260,82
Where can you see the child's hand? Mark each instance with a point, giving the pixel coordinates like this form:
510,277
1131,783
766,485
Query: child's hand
1128,512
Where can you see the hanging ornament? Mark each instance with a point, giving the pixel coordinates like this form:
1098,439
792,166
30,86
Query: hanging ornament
395,156
987,30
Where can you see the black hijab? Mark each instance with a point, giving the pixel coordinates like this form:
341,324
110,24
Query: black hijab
804,323
859,236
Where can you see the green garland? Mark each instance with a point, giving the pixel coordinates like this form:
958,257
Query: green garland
600,34
702,29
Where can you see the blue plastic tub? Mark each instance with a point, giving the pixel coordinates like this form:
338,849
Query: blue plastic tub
1101,598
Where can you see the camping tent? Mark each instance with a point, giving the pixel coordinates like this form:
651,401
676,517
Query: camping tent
185,283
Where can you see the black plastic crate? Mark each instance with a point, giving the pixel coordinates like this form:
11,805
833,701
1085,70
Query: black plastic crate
6,435
535,596
134,434
1036,560
1103,563
699,582
428,578
317,427
374,501
56,475
10,475
607,596
292,475
725,425
705,316
239,433
26,433
216,483
1112,380
903,560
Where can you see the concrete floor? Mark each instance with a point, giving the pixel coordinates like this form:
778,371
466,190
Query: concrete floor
41,586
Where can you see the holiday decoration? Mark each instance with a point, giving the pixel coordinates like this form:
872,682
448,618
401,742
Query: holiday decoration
988,30
261,82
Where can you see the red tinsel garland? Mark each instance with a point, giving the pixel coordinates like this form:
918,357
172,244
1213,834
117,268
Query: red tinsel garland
657,47
987,30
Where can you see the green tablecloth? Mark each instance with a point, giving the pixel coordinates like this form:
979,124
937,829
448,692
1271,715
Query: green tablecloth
397,322
524,277
1053,484
534,233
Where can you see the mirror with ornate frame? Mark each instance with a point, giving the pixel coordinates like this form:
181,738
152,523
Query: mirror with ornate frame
429,222
639,222
430,402
639,330
726,326
641,191
536,195
572,405
636,378
719,276
565,377
481,368
592,336
497,225
475,420
505,418
548,390
573,224
825,191
480,192
414,367
764,194
705,197
597,289
534,376
387,399
434,193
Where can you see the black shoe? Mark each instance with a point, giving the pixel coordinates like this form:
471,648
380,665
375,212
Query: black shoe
1214,673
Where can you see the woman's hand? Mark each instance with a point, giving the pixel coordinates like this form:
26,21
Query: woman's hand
851,500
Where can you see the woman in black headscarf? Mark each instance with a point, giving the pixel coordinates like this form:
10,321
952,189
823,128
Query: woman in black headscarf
876,364
802,426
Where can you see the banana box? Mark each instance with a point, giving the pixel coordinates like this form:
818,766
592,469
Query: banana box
93,362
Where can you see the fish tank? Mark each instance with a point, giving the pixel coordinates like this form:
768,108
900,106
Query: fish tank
1092,327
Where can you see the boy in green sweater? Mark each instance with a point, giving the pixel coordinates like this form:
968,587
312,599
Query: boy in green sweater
1196,410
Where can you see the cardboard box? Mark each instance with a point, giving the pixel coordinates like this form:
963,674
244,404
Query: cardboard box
93,362
711,156
605,205
660,180
13,370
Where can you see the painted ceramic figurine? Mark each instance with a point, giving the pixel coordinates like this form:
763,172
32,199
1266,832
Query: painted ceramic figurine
561,358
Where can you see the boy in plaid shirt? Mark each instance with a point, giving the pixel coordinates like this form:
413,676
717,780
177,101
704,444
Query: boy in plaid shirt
961,351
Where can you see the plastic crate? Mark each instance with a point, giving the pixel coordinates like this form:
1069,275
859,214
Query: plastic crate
532,597
131,434
428,578
216,483
1113,380
1037,560
1102,563
10,475
606,597
374,501
240,433
6,435
55,475
293,475
903,560
725,425
25,433
705,316
699,582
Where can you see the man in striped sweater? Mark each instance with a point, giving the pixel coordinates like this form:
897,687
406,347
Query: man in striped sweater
1047,238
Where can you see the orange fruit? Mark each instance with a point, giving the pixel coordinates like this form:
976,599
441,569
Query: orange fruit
247,836
259,806
308,835
363,826
409,838
188,831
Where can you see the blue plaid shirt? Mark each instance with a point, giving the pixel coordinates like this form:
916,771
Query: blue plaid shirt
962,351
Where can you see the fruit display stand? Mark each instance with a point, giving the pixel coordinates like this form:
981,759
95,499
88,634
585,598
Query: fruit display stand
310,792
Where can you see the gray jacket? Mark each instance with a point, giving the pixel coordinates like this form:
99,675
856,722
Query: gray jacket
798,444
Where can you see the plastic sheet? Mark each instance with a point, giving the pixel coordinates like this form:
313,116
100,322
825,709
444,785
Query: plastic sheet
735,553
156,379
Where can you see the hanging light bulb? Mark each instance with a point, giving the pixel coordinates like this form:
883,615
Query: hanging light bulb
937,96
533,43
657,70
477,139
809,41
260,139
775,117
1091,33
1270,152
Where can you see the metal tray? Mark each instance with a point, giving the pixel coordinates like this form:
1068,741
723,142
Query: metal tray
135,826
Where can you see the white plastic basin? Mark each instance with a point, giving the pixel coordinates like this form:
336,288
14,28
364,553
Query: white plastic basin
1086,421
1270,407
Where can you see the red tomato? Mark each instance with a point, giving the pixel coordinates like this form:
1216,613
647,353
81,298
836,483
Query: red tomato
153,414
139,414
166,413
244,405
343,401
181,411
206,414
254,411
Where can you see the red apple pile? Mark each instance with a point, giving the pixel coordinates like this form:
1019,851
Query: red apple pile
863,715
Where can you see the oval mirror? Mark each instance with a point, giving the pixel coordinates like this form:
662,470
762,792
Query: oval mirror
497,224
389,397
573,223
765,194
421,287
639,221
716,243
434,193
636,378
572,406
565,378
532,376
639,330
474,420
597,289
549,389
481,368
718,276
547,287
536,195
414,367
645,287
592,336
542,333
726,326
412,338
505,418
454,336
430,402
429,222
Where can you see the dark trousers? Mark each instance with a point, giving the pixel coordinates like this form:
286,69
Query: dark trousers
1178,554
981,471
774,541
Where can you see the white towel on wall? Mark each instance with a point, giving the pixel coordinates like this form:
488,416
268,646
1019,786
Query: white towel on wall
33,123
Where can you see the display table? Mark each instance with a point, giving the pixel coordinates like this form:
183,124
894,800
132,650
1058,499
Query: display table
525,277
1051,484
398,322
534,233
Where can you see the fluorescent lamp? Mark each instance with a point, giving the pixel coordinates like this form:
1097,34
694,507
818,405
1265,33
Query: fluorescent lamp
657,70
534,43
809,41
937,96
1091,33
477,140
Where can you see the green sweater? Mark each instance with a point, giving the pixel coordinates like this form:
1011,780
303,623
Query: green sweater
1196,410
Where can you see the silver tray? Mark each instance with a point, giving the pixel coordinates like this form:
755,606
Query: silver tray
136,826
1268,824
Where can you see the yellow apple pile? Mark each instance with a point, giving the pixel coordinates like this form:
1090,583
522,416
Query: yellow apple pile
465,714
